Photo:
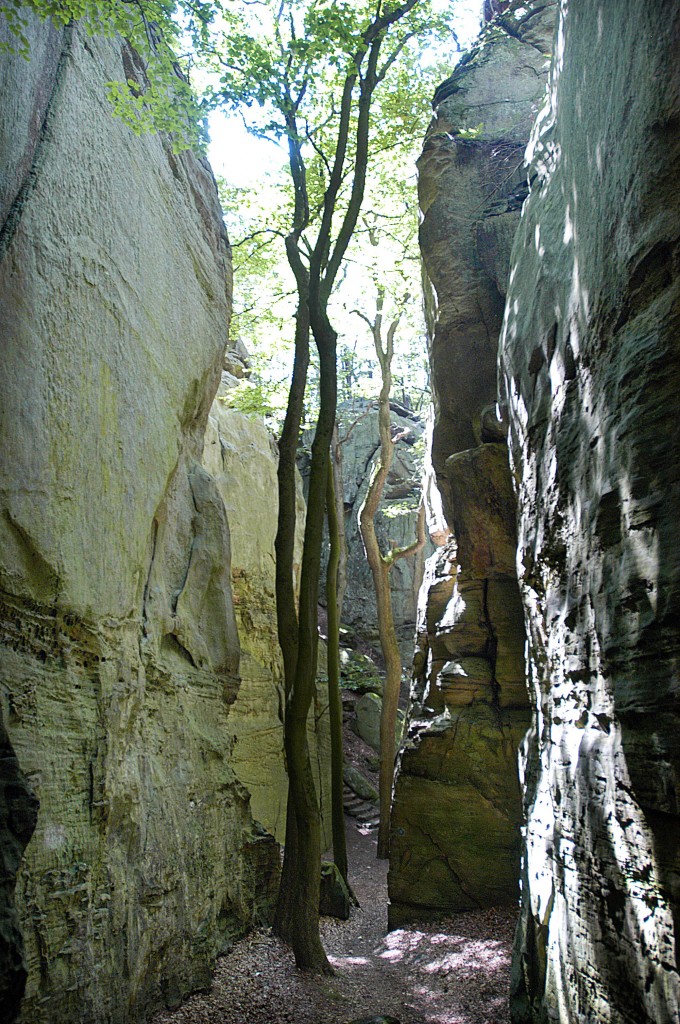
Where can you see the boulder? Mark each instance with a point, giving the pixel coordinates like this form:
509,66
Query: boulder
334,896
366,723
359,784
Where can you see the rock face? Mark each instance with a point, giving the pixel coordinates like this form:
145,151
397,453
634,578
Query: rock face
240,454
590,371
395,521
120,647
18,814
457,808
471,187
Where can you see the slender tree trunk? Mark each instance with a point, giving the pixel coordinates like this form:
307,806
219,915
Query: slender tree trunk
315,270
338,491
286,601
380,566
380,571
334,701
298,910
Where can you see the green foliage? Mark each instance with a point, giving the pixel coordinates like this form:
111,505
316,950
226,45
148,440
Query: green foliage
277,58
159,98
395,509
259,398
359,673
471,133
264,293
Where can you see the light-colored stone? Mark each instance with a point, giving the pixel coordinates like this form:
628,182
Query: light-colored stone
120,646
590,374
468,668
471,188
395,521
367,721
241,456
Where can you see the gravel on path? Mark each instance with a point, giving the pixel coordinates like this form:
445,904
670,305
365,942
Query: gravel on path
454,972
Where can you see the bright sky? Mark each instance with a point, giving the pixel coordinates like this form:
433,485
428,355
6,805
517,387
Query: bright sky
244,160
241,158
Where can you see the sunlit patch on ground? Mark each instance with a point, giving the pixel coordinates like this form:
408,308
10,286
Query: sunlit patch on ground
454,972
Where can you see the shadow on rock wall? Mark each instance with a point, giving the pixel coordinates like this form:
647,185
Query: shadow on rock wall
457,807
590,373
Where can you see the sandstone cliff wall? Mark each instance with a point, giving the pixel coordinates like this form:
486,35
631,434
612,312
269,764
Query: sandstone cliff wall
590,371
457,806
120,648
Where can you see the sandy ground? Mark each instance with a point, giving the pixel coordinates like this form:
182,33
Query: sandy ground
455,972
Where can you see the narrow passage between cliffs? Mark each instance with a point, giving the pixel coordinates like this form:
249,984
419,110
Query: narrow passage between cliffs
454,972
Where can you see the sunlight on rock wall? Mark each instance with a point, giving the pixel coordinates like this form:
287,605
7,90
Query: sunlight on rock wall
590,373
120,648
457,807
241,456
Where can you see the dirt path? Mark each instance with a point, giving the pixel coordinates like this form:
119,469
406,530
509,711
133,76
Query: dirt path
456,972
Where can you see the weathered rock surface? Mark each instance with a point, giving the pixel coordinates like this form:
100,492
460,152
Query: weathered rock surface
395,521
121,650
334,897
457,809
240,454
471,187
366,723
590,370
18,814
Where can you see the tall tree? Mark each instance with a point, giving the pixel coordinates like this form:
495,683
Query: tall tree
334,700
380,564
315,72
298,902
321,99
314,68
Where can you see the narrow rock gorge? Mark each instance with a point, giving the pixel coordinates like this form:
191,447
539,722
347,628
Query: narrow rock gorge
457,804
142,774
589,376
127,710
